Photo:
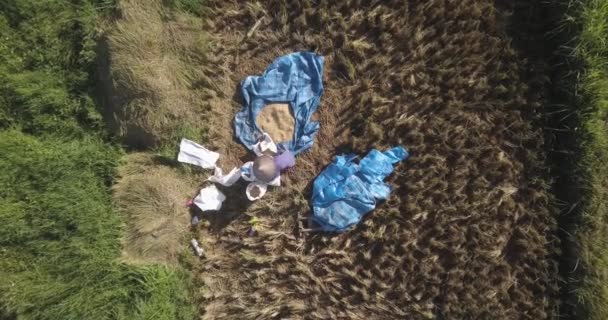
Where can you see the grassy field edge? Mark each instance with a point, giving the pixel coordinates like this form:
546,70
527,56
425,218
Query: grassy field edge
592,50
60,234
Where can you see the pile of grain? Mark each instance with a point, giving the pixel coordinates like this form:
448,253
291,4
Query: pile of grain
276,120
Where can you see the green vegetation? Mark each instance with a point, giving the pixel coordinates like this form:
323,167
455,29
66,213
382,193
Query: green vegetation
46,53
60,234
592,49
191,6
61,255
60,238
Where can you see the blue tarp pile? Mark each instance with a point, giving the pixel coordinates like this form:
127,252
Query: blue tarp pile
295,79
345,191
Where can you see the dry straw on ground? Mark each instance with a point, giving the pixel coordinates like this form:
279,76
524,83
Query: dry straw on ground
155,61
468,232
152,197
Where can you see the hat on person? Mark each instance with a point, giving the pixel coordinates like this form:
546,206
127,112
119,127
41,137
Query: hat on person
264,169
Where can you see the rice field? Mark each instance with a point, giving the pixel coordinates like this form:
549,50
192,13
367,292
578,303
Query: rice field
497,214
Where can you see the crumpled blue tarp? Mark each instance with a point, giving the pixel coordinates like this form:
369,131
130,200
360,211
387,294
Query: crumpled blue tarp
345,191
295,79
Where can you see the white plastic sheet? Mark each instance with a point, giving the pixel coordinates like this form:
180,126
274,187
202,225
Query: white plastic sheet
193,153
209,198
226,180
265,145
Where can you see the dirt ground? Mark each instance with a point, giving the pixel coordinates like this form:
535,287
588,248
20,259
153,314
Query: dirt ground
469,230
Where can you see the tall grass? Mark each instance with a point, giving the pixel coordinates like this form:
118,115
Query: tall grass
46,53
154,96
191,6
151,196
60,238
592,50
60,234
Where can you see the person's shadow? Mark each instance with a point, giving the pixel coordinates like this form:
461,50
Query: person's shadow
234,206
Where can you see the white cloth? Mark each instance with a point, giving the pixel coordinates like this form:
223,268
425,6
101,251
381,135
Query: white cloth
193,153
276,182
265,145
247,171
226,180
210,198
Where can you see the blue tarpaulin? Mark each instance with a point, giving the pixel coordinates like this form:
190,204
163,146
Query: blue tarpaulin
295,79
345,191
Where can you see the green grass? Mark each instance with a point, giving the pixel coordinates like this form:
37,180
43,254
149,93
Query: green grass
46,53
60,236
592,50
192,6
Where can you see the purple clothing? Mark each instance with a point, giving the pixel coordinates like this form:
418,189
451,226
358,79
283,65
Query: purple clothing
285,160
